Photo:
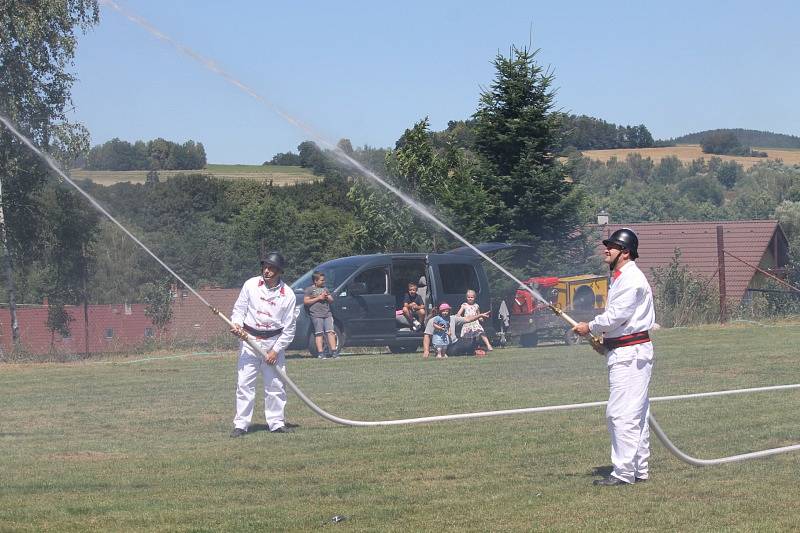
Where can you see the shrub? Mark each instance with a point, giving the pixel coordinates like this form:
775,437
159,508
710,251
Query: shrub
681,298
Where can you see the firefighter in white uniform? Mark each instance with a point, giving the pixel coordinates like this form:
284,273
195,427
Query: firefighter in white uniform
266,309
625,326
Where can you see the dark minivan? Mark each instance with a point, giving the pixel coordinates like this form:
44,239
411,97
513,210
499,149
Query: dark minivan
368,290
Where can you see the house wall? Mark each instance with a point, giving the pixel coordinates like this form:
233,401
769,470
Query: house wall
118,327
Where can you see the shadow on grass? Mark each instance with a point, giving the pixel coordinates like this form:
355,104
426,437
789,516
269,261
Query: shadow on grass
603,471
255,428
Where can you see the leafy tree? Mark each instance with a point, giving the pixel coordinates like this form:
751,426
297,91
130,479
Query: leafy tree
117,154
668,169
158,303
37,45
460,134
702,188
345,146
726,172
727,142
288,159
681,298
312,157
720,142
58,321
442,183
158,153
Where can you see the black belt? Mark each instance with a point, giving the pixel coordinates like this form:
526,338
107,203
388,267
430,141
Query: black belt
262,333
626,340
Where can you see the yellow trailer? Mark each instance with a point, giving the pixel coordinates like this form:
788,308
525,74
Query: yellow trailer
586,292
582,297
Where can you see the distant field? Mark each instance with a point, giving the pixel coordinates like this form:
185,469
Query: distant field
688,152
278,174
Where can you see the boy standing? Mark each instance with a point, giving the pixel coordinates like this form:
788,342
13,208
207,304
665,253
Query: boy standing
318,300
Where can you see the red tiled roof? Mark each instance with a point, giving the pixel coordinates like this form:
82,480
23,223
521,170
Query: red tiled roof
697,241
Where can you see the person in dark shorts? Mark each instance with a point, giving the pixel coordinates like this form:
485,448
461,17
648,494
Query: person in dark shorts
414,307
318,300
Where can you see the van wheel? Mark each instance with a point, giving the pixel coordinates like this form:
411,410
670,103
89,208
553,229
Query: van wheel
529,340
402,348
312,345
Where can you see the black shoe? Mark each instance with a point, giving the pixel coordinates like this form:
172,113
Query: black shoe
609,481
238,432
282,429
640,480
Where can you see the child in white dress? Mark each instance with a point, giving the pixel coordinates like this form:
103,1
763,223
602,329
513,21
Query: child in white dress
473,329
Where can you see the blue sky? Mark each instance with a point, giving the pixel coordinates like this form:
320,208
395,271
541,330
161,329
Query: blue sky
369,70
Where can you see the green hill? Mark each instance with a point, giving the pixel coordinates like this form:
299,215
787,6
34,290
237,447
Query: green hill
760,139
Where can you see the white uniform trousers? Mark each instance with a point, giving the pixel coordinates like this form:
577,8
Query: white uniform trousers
627,411
274,391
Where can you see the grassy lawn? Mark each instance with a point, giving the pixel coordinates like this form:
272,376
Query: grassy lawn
145,446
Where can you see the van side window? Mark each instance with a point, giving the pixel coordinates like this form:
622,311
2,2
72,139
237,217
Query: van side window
458,279
375,279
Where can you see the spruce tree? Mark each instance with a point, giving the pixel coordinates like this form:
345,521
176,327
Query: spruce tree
517,134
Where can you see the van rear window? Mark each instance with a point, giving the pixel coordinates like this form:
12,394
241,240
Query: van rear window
458,279
334,276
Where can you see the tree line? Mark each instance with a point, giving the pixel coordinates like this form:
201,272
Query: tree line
157,154
590,133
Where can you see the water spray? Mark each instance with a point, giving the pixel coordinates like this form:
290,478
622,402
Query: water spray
344,158
426,214
322,142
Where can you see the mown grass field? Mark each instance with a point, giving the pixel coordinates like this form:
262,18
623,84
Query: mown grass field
279,175
126,445
689,152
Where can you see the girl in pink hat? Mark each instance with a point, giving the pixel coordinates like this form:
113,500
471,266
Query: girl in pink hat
441,333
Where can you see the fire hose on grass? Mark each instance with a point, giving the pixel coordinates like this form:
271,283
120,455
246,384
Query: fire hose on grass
596,344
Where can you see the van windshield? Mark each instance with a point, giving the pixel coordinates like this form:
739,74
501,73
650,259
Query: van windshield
334,276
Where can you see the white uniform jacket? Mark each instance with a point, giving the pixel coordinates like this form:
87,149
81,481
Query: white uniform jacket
263,308
629,310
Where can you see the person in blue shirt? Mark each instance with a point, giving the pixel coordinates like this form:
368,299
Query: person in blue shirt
441,334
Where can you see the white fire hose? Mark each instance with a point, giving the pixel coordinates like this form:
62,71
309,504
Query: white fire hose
526,410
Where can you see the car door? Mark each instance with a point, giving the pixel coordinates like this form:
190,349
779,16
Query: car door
453,275
365,305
